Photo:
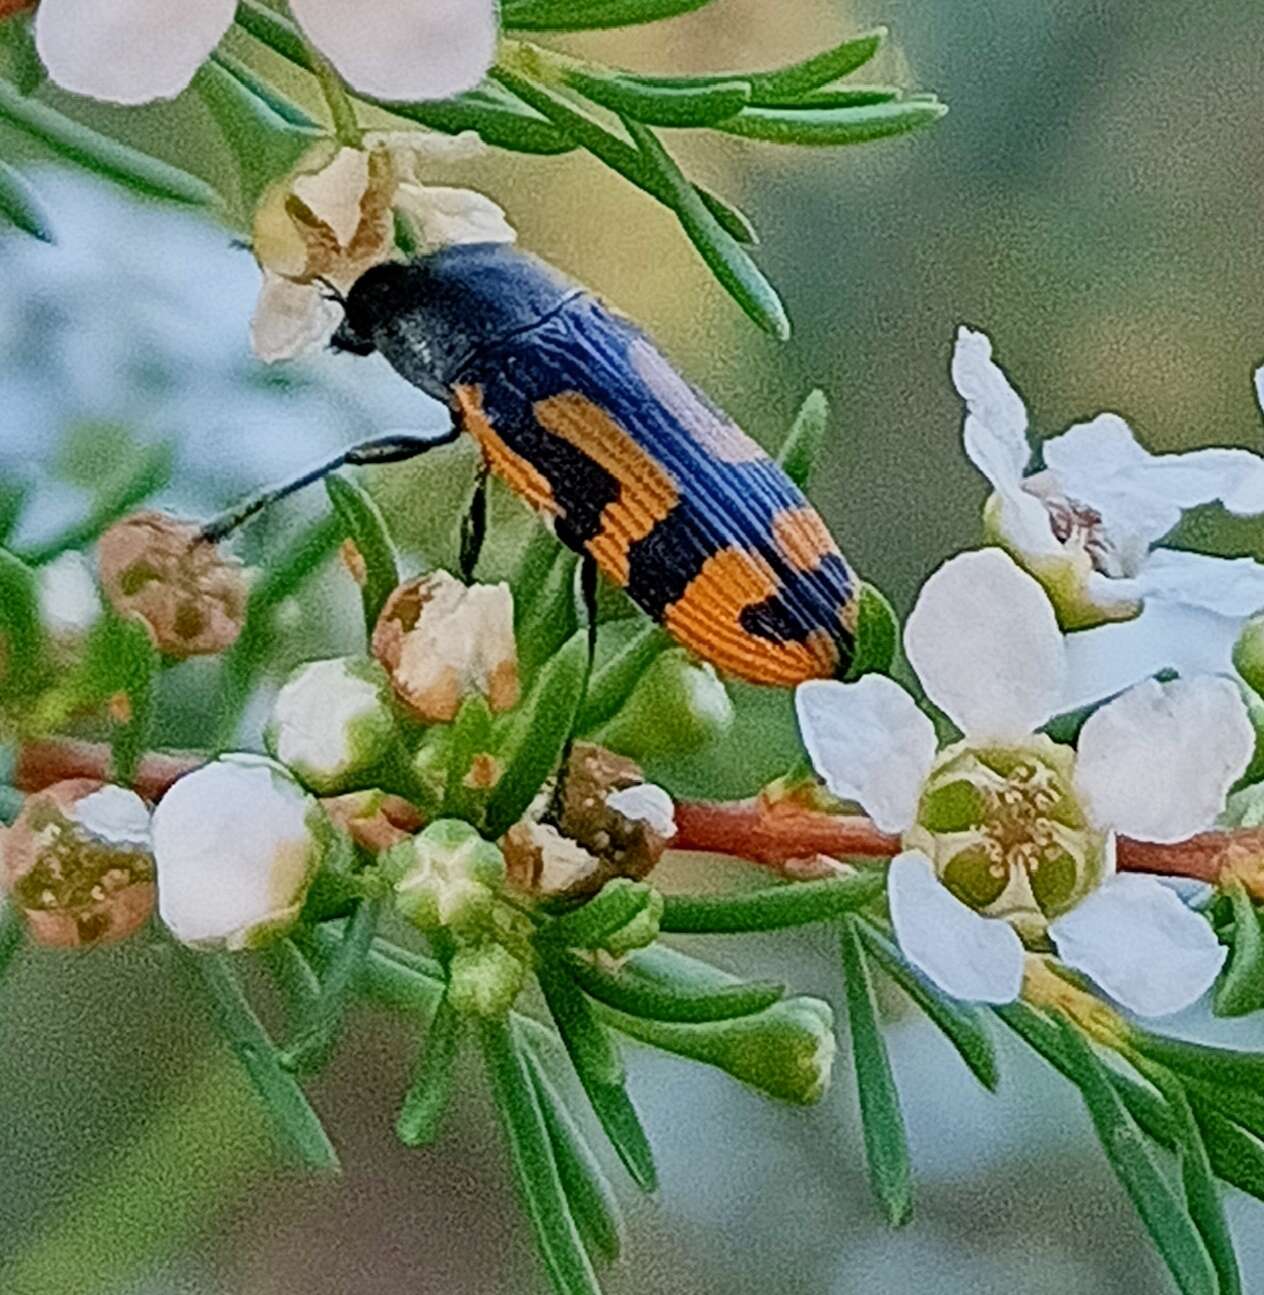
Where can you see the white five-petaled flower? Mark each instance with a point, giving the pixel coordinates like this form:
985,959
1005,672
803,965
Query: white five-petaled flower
333,218
1086,527
132,51
236,844
1008,836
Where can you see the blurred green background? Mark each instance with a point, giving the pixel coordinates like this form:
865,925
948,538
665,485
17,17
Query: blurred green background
1093,201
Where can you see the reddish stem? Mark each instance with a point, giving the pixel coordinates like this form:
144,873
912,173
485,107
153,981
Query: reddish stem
774,833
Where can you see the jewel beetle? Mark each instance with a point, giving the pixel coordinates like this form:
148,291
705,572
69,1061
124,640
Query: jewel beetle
580,414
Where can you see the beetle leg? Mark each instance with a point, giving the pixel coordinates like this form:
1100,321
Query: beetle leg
588,594
394,447
474,526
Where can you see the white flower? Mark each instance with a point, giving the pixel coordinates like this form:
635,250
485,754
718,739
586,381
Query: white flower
236,844
1009,836
331,721
334,217
68,599
1087,525
132,51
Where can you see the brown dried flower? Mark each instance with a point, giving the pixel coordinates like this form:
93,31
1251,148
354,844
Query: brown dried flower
442,641
597,836
78,864
191,597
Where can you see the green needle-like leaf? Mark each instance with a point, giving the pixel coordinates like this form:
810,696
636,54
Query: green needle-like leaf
20,207
594,1052
148,473
591,924
886,1143
1221,1068
597,1062
469,736
364,525
294,979
1241,988
792,83
653,986
649,167
831,127
588,1191
286,109
684,106
1202,1195
535,1170
1160,1209
877,633
589,15
1237,1156
19,59
12,934
75,143
429,1093
264,143
544,601
612,684
724,255
22,666
964,1026
770,908
135,662
14,496
802,447
315,1044
536,735
279,1091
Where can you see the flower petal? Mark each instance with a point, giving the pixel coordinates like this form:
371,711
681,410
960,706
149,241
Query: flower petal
985,643
403,49
869,742
995,430
1228,586
1144,947
1166,636
290,318
444,216
1100,463
1158,761
975,958
128,51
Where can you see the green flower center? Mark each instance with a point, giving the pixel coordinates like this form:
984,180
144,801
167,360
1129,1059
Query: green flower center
1006,834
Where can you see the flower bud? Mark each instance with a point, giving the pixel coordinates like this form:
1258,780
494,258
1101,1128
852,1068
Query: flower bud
69,603
191,598
678,706
448,876
484,980
373,819
78,864
331,722
237,844
638,933
786,1051
1248,654
441,641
